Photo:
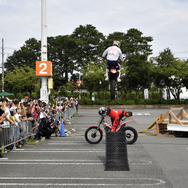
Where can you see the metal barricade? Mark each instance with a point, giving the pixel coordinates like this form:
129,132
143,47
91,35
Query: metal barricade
11,134
67,114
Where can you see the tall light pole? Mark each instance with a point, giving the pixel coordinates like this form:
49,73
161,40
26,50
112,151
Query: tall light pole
2,65
44,87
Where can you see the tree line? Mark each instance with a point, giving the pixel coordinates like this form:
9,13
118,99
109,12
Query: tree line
79,54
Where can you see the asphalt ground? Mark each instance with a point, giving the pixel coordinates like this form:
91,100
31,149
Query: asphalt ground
154,161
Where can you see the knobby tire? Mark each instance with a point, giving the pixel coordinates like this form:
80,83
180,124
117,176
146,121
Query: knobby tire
90,131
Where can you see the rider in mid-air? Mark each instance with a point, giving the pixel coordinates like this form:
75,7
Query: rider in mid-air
116,116
112,54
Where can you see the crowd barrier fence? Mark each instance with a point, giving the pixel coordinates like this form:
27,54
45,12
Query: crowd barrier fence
66,115
11,134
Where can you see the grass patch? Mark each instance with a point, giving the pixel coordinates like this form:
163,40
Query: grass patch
30,141
76,115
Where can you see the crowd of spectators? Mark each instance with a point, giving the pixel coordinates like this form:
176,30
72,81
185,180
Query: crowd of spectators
42,116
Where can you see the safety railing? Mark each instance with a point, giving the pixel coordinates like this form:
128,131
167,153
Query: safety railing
66,115
11,134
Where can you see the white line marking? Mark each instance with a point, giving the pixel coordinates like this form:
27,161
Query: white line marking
3,159
67,160
65,143
59,151
71,184
48,160
128,181
141,114
51,163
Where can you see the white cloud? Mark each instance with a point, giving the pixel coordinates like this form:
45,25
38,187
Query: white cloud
164,20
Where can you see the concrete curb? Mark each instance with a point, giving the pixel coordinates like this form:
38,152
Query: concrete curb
157,106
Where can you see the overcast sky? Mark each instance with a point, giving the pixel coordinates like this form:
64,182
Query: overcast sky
164,20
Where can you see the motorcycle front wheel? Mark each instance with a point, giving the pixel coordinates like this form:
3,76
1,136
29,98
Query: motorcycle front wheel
131,135
93,135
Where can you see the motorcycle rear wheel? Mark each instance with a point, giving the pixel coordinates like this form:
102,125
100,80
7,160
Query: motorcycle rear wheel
93,135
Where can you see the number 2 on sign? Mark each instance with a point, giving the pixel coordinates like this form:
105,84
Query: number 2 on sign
43,68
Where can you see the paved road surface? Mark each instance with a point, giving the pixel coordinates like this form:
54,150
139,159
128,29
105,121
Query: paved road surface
71,162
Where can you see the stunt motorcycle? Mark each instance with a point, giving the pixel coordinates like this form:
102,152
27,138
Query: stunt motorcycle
112,77
94,134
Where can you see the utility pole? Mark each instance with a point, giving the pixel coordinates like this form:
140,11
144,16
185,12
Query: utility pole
44,87
3,65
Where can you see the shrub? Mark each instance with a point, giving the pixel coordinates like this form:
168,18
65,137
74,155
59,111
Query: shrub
151,101
120,101
129,102
100,101
140,101
112,102
88,101
186,101
140,95
131,96
156,95
174,101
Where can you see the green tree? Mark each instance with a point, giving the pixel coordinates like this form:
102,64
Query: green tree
170,72
185,70
89,45
93,76
139,69
61,53
22,80
27,55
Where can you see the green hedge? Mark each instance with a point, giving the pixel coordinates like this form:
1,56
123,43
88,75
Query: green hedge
122,101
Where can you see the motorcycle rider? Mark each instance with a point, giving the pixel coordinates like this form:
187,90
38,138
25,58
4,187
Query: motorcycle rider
112,54
115,116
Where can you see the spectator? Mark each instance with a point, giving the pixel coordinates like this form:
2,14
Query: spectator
2,114
17,115
26,98
77,104
33,109
54,126
5,107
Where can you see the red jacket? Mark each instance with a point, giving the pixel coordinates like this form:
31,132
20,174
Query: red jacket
115,116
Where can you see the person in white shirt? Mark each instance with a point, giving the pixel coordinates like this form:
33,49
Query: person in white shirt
112,54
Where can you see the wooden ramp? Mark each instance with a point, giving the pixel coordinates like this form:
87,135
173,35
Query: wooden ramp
160,125
151,127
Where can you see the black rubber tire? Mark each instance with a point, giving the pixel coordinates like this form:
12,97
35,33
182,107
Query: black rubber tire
179,134
112,88
89,132
131,135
